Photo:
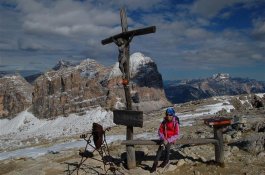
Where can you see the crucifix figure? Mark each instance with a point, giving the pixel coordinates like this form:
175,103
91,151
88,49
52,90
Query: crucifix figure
122,40
122,44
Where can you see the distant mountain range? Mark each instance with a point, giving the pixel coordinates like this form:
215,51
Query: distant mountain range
23,73
177,91
181,91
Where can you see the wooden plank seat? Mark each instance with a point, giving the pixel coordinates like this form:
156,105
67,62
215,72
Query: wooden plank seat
197,141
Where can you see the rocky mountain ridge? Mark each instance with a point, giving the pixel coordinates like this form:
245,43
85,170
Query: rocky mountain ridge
217,85
15,95
75,88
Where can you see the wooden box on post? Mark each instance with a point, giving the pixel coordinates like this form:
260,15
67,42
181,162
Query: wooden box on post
128,118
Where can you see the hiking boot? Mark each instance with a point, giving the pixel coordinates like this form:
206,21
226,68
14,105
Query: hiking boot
163,164
153,169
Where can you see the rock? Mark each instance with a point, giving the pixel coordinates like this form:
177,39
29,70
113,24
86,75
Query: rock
236,135
69,90
261,155
227,154
181,162
203,159
53,152
171,168
15,95
196,173
256,102
259,126
234,149
253,143
138,170
227,138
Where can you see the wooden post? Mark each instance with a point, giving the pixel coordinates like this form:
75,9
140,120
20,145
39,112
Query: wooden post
218,123
219,146
131,160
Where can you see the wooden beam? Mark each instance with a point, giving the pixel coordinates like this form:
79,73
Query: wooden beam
127,34
199,141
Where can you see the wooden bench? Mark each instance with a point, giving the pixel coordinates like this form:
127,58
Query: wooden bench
217,123
219,155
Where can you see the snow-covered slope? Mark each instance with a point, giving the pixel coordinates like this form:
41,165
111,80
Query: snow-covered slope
26,127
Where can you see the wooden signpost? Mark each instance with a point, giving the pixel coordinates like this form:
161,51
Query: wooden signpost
122,40
128,118
218,124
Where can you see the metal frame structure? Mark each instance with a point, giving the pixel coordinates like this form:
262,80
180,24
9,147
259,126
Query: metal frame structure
100,145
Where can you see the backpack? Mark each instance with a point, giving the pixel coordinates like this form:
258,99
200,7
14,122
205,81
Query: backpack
177,119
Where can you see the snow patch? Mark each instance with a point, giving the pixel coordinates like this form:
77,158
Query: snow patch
222,104
261,95
35,152
25,125
137,60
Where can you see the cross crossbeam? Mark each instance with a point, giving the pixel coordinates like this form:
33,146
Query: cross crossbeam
127,34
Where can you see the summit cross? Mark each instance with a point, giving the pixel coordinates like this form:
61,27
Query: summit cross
122,40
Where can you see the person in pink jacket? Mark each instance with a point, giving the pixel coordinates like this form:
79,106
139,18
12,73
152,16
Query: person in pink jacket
168,133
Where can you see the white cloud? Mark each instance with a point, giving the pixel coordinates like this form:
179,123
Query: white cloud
68,28
132,5
211,8
196,33
67,18
259,29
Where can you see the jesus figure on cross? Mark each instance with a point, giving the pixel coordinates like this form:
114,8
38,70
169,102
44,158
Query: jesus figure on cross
122,45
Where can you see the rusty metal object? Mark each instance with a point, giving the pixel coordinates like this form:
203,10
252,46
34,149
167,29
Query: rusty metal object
100,145
98,133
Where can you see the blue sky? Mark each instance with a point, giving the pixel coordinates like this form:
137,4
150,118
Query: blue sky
194,39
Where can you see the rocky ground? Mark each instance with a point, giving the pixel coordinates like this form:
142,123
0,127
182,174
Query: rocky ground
244,151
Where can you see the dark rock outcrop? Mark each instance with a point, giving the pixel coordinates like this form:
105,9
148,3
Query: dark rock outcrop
255,143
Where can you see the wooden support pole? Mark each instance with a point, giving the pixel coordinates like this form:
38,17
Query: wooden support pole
131,160
219,146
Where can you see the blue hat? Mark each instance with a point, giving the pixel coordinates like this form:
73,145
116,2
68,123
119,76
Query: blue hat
170,111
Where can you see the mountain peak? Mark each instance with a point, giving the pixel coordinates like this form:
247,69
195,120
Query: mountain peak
221,76
137,61
63,64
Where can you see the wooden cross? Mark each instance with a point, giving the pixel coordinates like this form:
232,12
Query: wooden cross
122,40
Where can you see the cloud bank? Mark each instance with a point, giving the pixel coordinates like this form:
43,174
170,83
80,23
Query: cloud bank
216,35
